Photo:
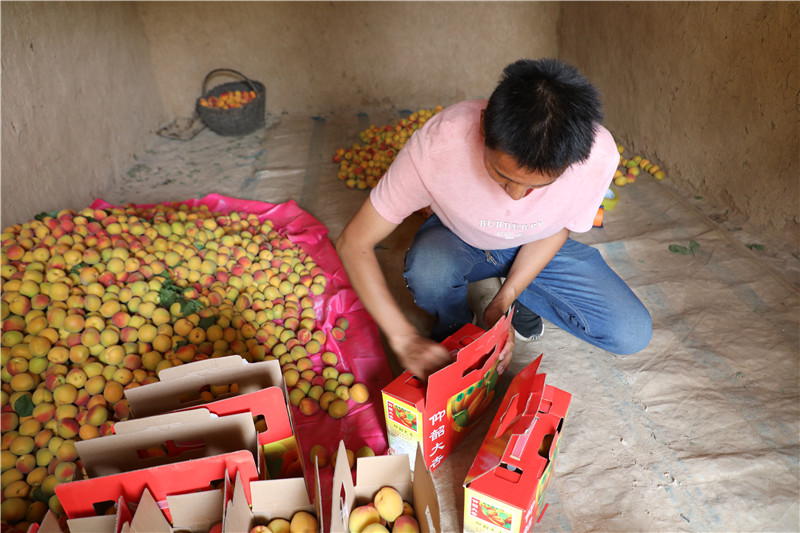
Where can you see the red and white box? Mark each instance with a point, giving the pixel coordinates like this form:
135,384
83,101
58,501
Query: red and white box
505,487
437,415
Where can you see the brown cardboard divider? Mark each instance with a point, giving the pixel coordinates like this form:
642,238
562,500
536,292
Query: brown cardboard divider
108,523
183,381
262,392
187,435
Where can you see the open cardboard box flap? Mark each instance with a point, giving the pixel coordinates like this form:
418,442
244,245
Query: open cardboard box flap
94,524
231,365
426,501
178,437
272,498
197,511
179,386
163,421
476,351
525,447
373,473
269,403
181,393
148,517
108,523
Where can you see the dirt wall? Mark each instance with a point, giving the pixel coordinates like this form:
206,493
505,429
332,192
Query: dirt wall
86,84
77,102
353,56
710,90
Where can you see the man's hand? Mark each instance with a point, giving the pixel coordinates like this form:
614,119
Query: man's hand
507,353
420,356
496,309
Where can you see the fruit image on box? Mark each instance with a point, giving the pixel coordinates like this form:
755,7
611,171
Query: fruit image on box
505,487
463,408
404,416
438,414
283,459
493,512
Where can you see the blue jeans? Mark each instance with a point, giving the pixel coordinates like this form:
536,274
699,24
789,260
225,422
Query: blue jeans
577,291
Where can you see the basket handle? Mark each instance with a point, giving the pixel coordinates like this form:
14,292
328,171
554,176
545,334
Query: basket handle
218,70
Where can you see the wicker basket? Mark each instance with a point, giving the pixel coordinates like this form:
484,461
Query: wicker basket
234,121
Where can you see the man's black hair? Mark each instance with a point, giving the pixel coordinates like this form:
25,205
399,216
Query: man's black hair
543,113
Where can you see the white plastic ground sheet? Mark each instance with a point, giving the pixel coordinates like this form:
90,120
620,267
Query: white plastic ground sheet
698,432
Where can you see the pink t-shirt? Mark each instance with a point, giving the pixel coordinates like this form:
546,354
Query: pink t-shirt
441,166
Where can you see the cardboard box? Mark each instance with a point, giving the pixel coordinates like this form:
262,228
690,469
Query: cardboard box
274,429
171,454
194,512
273,498
374,473
505,487
179,387
261,392
165,439
437,415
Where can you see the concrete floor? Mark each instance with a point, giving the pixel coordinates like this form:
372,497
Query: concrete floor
698,432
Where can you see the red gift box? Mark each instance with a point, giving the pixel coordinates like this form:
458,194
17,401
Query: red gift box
437,415
505,487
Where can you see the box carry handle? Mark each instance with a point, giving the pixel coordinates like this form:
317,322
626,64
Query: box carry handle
479,364
519,420
524,450
490,346
522,409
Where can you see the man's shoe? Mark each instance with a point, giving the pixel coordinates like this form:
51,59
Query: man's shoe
528,326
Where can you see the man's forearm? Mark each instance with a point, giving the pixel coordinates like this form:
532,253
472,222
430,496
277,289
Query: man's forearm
356,248
530,260
366,276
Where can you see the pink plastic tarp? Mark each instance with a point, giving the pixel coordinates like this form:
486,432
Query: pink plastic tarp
360,352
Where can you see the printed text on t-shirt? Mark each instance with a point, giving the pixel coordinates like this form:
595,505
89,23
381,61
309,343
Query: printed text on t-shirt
509,230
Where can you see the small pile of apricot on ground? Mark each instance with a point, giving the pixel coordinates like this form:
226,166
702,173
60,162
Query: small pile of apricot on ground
362,165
